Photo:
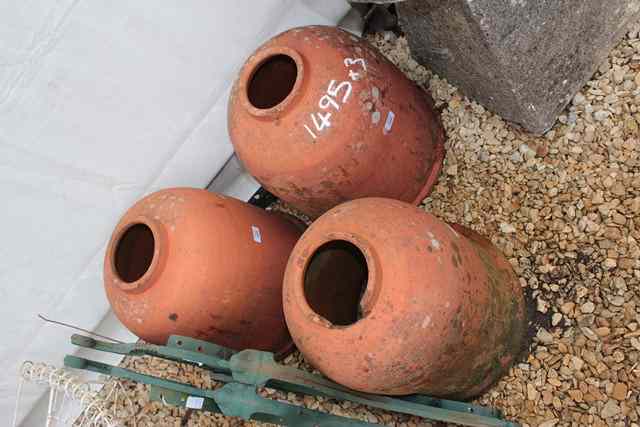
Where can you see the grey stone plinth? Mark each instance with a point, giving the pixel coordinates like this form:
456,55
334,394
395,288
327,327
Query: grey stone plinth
524,59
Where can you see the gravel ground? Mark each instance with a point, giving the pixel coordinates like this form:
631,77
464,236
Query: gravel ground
565,209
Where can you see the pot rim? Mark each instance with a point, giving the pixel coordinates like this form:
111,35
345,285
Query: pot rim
371,293
145,281
251,67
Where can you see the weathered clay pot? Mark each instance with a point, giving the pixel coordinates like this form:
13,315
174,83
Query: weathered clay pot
383,297
189,262
319,117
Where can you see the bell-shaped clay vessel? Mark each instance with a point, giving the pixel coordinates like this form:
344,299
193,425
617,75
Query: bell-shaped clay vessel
188,262
383,297
320,117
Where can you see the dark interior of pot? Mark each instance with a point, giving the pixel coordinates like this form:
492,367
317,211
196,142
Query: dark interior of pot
335,281
134,253
272,81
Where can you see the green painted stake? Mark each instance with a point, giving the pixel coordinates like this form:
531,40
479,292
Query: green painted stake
233,399
251,368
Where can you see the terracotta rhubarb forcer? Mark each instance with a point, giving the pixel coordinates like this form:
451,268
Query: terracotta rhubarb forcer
189,262
319,117
383,297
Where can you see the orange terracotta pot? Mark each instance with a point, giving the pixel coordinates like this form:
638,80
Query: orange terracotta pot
189,262
383,297
320,117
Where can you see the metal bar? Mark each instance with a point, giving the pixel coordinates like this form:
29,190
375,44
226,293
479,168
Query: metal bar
258,369
240,400
234,399
77,328
211,356
115,371
452,405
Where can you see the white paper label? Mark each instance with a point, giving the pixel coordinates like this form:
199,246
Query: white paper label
195,402
388,124
257,237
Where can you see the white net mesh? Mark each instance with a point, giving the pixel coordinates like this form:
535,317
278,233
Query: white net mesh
72,400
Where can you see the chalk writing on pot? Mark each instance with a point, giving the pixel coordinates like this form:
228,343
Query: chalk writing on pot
336,95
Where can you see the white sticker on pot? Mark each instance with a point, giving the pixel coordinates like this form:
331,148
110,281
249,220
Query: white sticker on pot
388,124
195,402
257,237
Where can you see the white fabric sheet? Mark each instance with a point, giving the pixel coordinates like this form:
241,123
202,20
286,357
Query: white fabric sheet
100,103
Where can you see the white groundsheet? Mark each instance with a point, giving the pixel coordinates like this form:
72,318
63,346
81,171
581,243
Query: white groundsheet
102,102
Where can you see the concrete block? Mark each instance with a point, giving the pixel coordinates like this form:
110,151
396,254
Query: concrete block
524,59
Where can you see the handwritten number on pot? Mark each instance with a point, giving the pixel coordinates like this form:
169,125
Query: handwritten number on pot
335,90
348,62
323,123
329,100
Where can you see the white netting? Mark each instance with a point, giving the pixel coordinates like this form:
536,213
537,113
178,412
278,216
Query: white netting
72,401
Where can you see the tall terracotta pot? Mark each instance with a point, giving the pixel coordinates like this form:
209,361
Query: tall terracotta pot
188,262
320,117
383,297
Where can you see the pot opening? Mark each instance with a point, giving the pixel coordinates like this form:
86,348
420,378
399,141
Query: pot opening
134,253
335,281
272,81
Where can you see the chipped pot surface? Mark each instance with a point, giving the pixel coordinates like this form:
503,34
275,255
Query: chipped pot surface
436,309
319,117
188,262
